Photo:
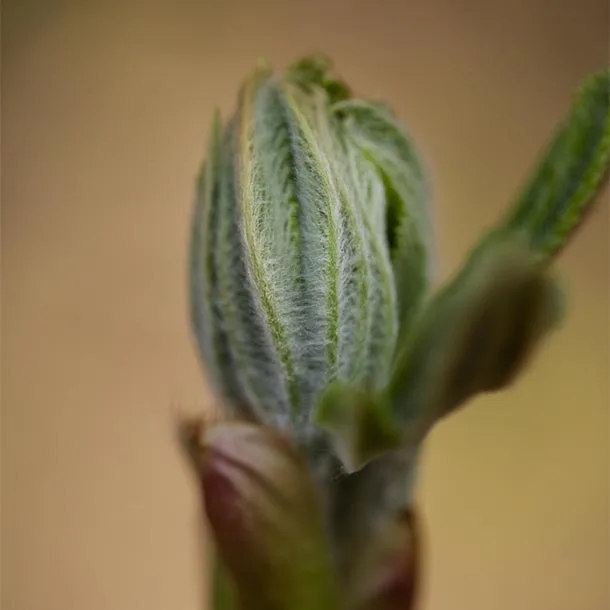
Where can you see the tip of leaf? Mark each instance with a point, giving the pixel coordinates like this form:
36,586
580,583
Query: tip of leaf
570,173
316,70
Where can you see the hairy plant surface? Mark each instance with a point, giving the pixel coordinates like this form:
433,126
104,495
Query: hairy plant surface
333,354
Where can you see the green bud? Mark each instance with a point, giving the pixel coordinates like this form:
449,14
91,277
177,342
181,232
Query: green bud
305,203
310,270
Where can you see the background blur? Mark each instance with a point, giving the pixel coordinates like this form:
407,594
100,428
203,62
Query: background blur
105,114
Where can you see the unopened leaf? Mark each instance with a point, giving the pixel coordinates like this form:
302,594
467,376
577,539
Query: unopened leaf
570,173
266,519
476,334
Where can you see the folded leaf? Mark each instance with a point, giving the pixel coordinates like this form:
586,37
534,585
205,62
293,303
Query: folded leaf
266,518
476,334
385,142
571,172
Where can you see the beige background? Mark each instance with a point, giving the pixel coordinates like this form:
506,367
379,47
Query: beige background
104,118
